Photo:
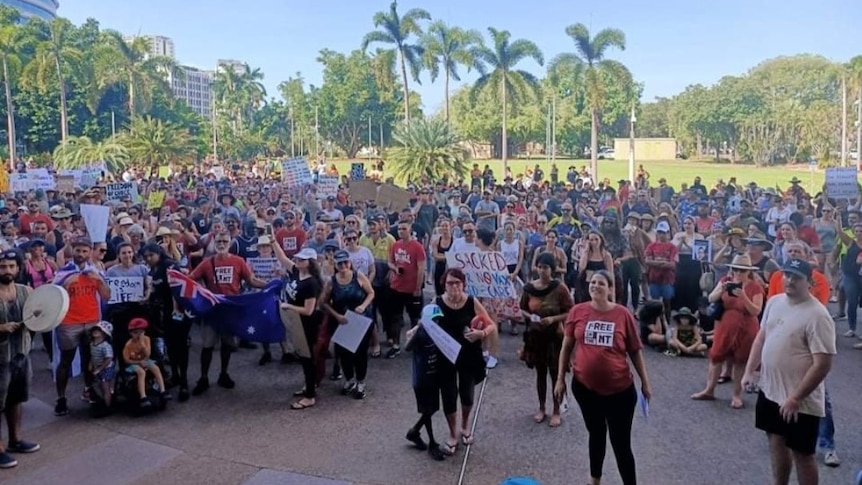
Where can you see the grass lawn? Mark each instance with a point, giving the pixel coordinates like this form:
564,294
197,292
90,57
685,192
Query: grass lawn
675,171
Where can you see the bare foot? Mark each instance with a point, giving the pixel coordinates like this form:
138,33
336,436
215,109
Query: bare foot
555,421
703,396
736,403
539,417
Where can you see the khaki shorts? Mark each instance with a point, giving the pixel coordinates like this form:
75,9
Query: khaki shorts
211,337
72,336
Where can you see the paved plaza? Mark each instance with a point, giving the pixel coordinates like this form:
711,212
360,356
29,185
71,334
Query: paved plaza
249,436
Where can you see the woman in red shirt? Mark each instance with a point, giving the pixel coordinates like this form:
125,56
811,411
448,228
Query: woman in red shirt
606,338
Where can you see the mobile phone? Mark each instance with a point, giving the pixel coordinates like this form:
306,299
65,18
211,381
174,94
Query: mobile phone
733,286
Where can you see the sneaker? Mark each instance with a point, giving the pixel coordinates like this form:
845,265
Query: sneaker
7,461
60,409
266,358
225,381
858,346
183,396
831,459
201,387
336,376
87,396
671,352
359,392
393,352
22,446
849,334
348,388
491,362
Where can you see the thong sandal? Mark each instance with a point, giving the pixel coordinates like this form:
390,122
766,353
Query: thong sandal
299,406
724,379
466,438
449,449
702,397
376,354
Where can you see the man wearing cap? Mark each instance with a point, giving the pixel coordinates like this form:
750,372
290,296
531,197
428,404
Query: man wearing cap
661,258
290,237
794,350
41,232
334,213
380,242
14,351
87,289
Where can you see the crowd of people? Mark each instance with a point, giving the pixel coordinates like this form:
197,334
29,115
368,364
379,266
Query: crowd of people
600,273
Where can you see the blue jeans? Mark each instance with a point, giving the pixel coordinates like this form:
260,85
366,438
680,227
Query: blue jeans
851,292
826,435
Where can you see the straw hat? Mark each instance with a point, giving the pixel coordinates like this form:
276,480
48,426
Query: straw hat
742,261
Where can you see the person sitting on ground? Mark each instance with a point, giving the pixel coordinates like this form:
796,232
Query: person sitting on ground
686,338
136,355
652,324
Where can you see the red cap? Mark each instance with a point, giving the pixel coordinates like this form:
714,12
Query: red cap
138,324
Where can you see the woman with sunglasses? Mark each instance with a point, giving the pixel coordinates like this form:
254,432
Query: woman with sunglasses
360,256
349,290
166,239
825,228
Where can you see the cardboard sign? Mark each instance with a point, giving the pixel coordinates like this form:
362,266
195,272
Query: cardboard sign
327,185
357,171
393,198
363,190
65,184
842,182
486,272
155,200
295,171
264,268
125,289
121,191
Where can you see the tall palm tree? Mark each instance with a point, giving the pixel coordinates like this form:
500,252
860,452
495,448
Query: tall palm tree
142,73
449,47
397,31
12,40
80,151
55,58
155,143
500,73
595,70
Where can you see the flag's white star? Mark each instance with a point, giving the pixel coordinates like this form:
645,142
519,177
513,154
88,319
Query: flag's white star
250,330
264,312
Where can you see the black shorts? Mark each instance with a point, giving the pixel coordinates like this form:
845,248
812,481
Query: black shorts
800,436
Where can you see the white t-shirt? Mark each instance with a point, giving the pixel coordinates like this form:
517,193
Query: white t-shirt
780,215
362,259
460,245
793,333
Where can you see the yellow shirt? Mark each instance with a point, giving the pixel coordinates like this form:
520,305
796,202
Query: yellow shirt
381,248
842,248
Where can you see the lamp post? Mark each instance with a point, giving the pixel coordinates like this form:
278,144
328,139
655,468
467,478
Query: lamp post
843,122
632,146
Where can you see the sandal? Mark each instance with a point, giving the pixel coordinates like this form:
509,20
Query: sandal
702,397
555,421
299,406
376,354
734,404
539,417
449,449
724,379
466,438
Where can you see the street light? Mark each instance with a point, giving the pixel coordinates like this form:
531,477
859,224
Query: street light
632,146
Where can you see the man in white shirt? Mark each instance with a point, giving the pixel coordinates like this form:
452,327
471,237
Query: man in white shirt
468,242
794,349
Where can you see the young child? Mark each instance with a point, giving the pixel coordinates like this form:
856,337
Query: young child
136,355
102,360
426,385
686,338
652,324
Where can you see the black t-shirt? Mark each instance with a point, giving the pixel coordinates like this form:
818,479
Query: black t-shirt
296,291
161,295
202,223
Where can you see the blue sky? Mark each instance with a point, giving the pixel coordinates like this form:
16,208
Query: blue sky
670,43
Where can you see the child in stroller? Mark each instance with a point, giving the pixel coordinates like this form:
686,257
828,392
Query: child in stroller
136,355
102,364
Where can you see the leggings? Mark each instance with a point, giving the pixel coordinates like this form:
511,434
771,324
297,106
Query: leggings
309,367
177,343
609,415
455,384
631,269
355,364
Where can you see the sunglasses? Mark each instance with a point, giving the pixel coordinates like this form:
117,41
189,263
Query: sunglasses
350,239
469,231
222,241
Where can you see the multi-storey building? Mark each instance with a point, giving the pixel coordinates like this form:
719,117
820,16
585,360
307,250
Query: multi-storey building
43,9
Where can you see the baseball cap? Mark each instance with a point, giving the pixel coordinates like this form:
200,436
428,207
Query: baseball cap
662,226
306,253
341,256
799,267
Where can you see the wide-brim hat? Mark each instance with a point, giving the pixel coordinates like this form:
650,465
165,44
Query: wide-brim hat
166,231
756,241
795,180
684,312
742,261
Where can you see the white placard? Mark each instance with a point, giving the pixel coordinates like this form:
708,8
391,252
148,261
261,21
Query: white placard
37,178
486,271
295,172
96,221
264,268
842,182
350,334
125,289
19,182
444,342
122,190
327,185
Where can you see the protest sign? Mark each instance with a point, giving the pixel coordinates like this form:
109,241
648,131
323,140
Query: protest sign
121,191
125,289
155,199
363,190
357,171
96,221
327,185
842,182
448,346
19,182
65,184
486,272
350,334
295,171
393,198
263,268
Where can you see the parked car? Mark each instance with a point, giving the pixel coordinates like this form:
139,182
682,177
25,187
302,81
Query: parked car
606,153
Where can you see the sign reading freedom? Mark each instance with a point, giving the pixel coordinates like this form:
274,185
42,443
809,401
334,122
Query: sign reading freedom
486,272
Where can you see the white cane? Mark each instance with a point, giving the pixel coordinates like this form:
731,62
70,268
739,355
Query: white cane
473,430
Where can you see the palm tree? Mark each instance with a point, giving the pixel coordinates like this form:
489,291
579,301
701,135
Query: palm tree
155,143
426,148
142,73
80,152
449,46
594,70
500,73
12,41
397,30
239,92
55,58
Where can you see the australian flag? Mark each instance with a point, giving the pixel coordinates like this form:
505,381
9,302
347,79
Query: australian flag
252,316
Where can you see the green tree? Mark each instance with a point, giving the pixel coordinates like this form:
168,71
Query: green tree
426,148
12,42
510,84
448,47
141,73
81,151
154,143
396,30
595,73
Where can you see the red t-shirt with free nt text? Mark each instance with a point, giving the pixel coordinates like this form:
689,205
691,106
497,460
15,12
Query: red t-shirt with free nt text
603,342
222,275
408,256
291,241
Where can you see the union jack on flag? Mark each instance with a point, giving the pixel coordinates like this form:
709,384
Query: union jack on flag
191,294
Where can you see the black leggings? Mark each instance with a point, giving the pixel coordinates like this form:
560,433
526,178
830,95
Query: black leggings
177,343
454,384
631,270
355,364
609,415
309,369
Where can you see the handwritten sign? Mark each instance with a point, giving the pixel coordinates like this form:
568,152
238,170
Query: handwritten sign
393,198
66,184
357,171
155,199
125,289
327,185
841,182
295,171
121,191
448,346
486,272
263,268
31,180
